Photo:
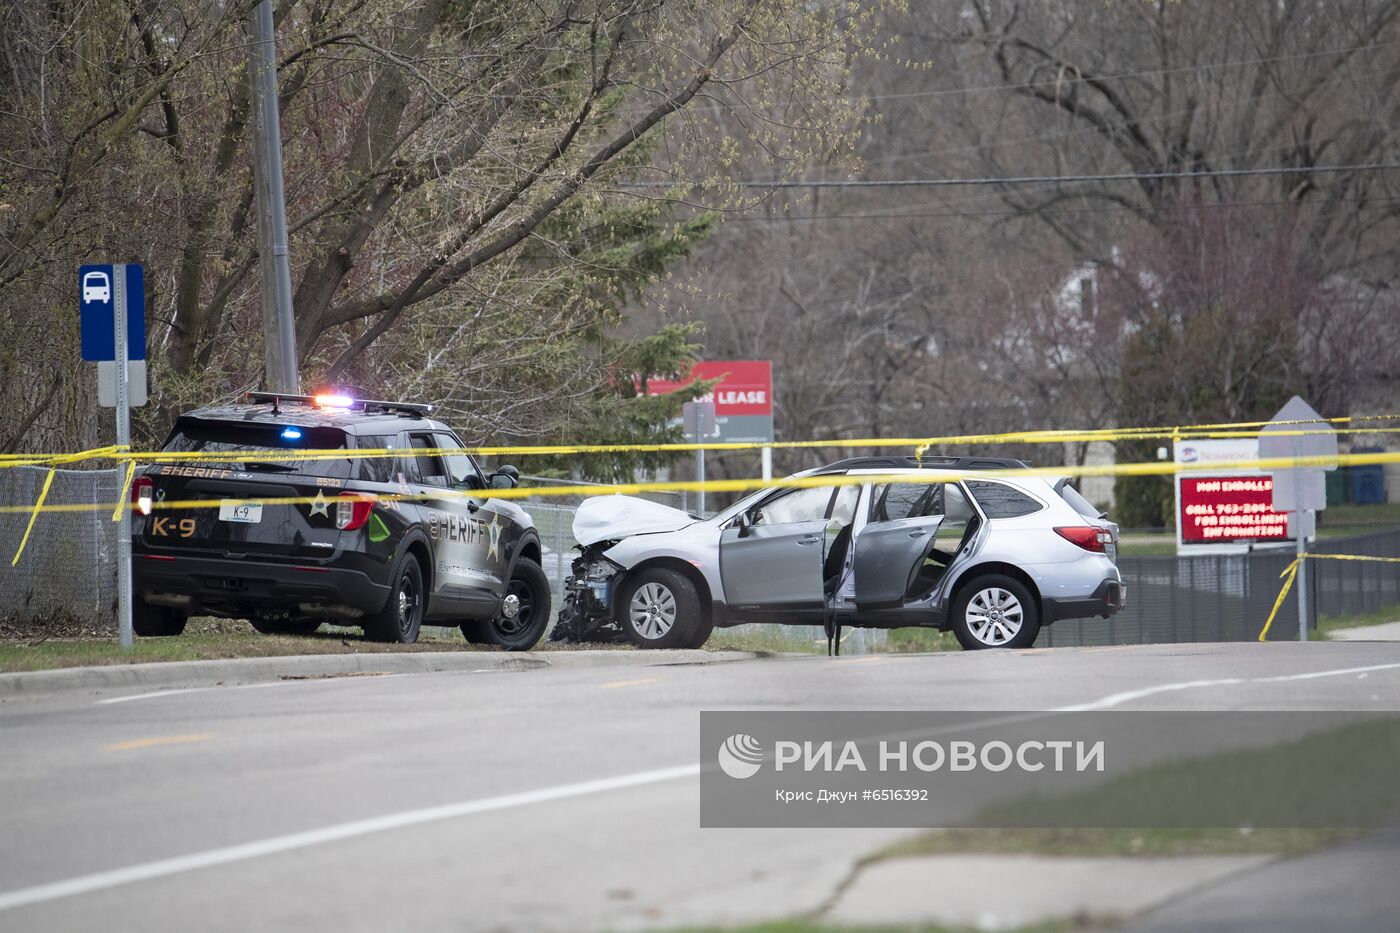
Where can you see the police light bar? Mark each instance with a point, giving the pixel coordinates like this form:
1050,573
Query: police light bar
339,400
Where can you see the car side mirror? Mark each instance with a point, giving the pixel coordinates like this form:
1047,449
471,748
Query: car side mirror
744,522
507,477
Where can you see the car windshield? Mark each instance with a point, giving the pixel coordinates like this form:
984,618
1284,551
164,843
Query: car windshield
234,439
750,500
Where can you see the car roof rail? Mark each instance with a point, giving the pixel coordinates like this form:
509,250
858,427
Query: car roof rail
341,403
963,462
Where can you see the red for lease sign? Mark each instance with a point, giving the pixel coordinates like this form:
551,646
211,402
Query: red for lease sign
745,386
1230,509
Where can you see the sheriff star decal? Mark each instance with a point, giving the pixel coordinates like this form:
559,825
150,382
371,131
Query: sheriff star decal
493,551
320,505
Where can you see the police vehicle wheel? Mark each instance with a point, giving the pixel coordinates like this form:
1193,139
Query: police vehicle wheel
285,628
530,598
402,615
155,621
659,608
995,611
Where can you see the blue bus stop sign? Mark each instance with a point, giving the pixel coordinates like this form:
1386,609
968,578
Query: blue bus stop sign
96,293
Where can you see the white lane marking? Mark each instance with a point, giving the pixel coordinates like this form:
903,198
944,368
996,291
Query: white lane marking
1118,699
85,884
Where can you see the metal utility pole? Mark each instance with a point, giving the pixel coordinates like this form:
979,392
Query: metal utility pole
279,332
121,352
1300,516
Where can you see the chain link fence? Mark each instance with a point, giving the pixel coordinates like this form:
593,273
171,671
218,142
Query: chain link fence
66,574
1228,597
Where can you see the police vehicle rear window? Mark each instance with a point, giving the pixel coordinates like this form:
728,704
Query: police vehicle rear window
999,500
252,448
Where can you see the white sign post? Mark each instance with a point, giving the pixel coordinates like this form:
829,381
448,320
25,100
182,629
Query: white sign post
1298,433
111,307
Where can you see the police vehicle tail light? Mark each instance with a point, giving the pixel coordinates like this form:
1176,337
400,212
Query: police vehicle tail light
353,509
142,493
1087,537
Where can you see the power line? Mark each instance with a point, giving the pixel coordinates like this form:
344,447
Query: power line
1030,211
1036,179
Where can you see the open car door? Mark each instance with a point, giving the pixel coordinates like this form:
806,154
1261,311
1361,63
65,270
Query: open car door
773,573
889,555
772,559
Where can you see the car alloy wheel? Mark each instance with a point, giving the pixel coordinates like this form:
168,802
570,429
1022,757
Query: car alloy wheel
994,616
652,610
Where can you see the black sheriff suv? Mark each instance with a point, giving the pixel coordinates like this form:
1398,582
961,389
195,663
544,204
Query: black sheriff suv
388,543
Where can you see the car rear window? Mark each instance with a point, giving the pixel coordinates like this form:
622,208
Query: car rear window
239,441
379,469
1077,502
999,500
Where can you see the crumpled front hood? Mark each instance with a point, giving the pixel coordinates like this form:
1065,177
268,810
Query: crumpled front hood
602,518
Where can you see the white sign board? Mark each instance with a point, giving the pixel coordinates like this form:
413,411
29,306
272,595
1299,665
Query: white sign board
107,383
1221,509
1299,432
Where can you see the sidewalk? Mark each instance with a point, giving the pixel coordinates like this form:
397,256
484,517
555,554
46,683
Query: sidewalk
176,674
1008,891
1389,631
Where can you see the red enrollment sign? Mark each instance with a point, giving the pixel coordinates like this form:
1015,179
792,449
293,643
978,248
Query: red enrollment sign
1229,509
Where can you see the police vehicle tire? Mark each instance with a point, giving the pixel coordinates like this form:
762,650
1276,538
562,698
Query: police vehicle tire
308,627
659,608
155,621
528,584
995,611
402,616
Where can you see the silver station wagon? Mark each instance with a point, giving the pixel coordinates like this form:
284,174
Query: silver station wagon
898,542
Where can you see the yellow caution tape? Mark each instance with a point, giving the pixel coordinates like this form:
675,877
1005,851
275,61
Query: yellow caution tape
43,494
1290,573
1148,468
122,493
1222,430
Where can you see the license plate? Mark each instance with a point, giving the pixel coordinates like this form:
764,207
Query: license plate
231,511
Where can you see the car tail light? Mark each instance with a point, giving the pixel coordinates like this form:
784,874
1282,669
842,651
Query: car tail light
142,493
353,508
1087,537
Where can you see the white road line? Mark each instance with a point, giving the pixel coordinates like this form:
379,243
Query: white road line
1118,699
147,871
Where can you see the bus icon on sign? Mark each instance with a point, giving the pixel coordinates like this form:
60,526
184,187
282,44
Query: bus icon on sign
97,287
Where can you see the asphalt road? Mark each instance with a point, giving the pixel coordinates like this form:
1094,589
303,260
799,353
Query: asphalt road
541,799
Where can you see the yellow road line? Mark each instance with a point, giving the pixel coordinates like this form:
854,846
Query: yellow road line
134,744
641,681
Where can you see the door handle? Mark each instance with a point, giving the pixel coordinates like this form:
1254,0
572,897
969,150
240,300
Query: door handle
808,539
917,533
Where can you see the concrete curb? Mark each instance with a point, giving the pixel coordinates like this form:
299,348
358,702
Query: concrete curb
177,674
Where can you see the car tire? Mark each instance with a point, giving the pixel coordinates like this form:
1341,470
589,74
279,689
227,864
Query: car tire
402,616
995,611
530,586
304,628
702,632
156,621
659,608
